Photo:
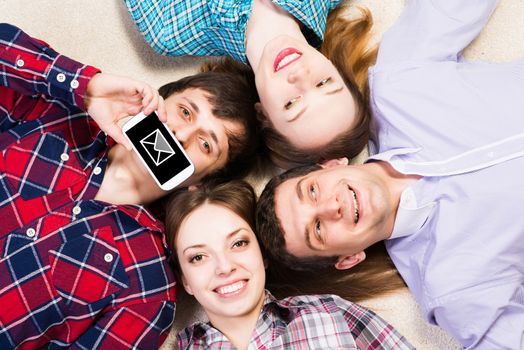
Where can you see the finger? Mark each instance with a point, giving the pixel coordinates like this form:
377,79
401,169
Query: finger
116,133
134,110
147,96
161,110
152,104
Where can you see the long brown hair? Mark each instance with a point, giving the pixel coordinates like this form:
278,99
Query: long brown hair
373,277
345,44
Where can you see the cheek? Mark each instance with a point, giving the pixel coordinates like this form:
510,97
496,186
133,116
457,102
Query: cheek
198,159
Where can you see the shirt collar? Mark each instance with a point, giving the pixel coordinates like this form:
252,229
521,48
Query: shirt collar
146,219
410,216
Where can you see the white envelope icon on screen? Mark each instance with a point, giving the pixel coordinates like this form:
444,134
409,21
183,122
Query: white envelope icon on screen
157,147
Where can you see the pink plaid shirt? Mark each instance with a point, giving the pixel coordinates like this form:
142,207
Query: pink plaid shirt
305,322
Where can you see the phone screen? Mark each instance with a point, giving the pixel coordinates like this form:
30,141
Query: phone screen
157,148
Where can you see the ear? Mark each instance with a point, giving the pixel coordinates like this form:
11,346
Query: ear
261,112
192,188
187,287
334,162
348,261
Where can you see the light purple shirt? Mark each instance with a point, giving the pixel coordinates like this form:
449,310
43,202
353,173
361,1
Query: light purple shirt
458,239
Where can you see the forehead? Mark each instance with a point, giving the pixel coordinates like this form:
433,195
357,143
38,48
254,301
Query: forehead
209,224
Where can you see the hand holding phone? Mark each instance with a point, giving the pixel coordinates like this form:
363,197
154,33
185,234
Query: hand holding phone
159,150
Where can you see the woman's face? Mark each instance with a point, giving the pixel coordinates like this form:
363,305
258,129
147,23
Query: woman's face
221,262
303,94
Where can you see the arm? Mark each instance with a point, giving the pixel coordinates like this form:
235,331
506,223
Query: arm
137,326
161,22
435,30
369,329
30,67
480,326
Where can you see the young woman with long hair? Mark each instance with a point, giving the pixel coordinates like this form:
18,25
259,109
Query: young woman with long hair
312,103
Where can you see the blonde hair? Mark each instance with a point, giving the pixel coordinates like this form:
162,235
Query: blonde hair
347,44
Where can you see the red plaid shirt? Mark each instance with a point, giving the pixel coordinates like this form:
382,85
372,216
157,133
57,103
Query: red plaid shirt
74,272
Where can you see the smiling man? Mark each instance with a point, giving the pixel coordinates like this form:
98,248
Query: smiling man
443,186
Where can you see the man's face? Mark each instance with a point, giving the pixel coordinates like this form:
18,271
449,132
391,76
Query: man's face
203,135
336,211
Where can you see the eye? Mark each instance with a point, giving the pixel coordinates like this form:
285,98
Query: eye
289,104
206,146
313,192
185,113
240,243
317,231
196,258
323,82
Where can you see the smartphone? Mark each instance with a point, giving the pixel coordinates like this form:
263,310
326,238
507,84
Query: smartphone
159,150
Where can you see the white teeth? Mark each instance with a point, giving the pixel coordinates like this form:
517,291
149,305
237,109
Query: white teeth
355,205
231,288
287,59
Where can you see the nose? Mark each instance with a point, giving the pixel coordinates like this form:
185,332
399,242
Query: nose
298,76
224,265
184,133
330,208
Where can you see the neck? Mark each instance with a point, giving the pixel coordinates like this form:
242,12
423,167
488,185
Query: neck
126,181
396,183
267,21
238,329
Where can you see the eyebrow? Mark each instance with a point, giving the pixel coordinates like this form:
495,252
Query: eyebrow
298,115
336,91
210,132
308,240
298,189
233,233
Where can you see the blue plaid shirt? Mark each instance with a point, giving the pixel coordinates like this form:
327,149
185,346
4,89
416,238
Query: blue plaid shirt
216,27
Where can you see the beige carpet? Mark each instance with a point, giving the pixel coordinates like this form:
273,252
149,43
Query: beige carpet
99,32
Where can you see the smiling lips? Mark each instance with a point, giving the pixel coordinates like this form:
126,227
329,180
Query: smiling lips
285,58
355,205
231,289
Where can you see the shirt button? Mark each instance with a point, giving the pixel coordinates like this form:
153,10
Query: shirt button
77,210
491,154
97,170
20,63
30,232
61,77
108,257
64,157
74,84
